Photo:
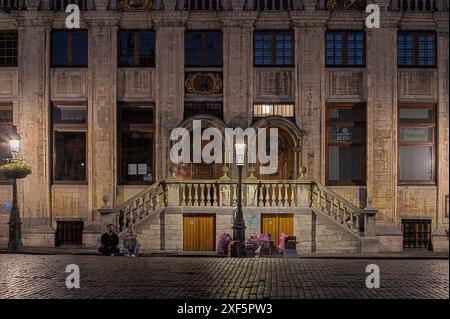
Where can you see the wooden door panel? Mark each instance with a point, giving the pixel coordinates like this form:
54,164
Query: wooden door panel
198,232
277,224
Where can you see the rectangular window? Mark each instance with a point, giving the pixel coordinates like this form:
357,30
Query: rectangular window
345,48
417,126
265,110
69,143
416,49
345,145
69,49
8,49
6,125
203,49
274,48
136,144
203,108
136,48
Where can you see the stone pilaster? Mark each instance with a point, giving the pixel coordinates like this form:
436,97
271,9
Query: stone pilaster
237,71
382,117
102,110
31,117
310,99
443,117
170,88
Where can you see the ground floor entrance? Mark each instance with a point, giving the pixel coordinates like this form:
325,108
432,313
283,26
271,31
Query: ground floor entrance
199,232
275,224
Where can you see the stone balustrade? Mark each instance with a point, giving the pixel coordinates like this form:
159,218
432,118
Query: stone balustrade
10,5
271,5
223,193
419,5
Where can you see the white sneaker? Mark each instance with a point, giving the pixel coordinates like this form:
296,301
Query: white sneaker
133,255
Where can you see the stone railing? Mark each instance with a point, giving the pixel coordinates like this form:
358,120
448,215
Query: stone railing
203,5
140,206
419,5
272,5
11,5
223,193
60,5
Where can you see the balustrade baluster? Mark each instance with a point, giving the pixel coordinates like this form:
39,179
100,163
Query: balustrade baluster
285,199
279,199
234,186
202,188
215,194
189,194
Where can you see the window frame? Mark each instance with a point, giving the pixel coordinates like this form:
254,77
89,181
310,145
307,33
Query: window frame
257,118
416,64
17,49
273,33
433,144
3,128
345,49
203,103
363,144
68,128
69,49
150,128
137,47
202,49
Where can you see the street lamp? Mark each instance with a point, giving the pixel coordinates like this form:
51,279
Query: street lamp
239,223
15,223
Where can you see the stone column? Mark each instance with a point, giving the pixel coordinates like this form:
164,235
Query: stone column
237,70
170,86
439,236
442,116
310,72
381,49
32,121
102,109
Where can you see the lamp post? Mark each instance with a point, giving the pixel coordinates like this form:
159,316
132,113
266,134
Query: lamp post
239,223
15,223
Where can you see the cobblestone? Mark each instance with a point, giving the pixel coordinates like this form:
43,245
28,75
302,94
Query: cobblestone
43,276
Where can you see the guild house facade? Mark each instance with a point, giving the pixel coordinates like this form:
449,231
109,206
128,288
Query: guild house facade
362,115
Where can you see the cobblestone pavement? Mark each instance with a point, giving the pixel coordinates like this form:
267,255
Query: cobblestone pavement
43,276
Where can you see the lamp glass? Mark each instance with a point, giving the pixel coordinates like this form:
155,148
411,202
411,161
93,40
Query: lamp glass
15,145
240,153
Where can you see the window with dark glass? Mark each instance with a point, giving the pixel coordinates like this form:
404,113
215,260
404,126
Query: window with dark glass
203,108
345,48
417,126
69,143
416,49
8,48
136,48
136,144
69,49
265,110
345,151
6,124
273,48
203,48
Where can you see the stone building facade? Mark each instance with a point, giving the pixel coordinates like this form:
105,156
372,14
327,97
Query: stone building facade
306,86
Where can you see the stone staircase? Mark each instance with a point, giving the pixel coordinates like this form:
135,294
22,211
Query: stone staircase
323,220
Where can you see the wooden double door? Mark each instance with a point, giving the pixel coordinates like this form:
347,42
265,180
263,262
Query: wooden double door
199,232
275,224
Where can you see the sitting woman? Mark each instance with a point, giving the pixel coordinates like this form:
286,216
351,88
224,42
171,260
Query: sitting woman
130,243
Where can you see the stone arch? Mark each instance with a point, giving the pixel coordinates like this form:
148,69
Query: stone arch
290,142
201,170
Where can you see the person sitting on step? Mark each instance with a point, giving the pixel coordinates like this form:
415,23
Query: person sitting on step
109,242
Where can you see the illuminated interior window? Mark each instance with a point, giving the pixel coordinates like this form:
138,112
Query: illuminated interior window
264,110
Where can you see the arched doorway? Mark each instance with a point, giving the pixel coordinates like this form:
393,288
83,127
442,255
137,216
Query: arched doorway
289,148
201,170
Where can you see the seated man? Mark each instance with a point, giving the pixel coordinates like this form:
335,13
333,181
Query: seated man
109,242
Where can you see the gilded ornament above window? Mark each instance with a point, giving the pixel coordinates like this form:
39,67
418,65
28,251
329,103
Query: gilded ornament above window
136,4
203,83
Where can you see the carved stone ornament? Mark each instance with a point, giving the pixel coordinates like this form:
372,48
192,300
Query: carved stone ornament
345,4
136,4
203,83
